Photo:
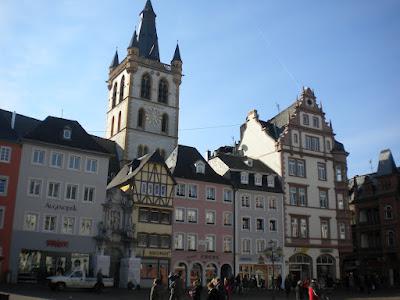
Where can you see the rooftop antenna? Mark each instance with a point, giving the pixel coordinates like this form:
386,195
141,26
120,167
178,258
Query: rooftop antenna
370,164
277,107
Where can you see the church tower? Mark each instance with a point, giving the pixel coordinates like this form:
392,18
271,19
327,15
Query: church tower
143,102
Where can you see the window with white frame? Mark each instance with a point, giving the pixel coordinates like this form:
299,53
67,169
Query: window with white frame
179,214
210,243
2,216
150,188
323,199
272,202
246,223
38,156
297,167
191,242
339,173
342,231
260,224
299,226
35,187
312,143
227,218
244,177
50,223
324,228
210,217
258,179
68,225
245,200
273,225
315,122
71,191
143,187
74,162
260,245
53,190
210,193
246,246
5,154
156,189
259,201
89,193
91,165
321,171
31,221
191,215
163,189
306,119
388,212
228,195
192,191
179,241
298,196
56,160
85,227
67,133
340,200
227,244
3,185
271,181
200,167
180,190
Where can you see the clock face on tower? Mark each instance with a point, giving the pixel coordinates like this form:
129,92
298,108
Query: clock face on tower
153,117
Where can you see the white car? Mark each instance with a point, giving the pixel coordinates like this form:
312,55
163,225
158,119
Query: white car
77,279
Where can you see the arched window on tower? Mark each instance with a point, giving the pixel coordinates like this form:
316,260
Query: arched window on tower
146,86
119,122
112,126
140,120
163,91
140,151
121,89
114,96
164,123
145,150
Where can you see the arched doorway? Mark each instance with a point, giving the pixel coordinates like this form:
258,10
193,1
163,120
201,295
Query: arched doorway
211,271
196,273
181,268
326,270
226,271
115,263
300,267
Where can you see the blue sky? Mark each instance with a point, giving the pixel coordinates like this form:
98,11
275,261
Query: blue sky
237,55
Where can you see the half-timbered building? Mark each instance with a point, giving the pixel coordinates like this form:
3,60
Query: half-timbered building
144,188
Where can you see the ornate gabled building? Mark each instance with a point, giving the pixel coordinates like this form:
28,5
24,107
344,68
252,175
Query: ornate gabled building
143,102
375,205
300,146
138,217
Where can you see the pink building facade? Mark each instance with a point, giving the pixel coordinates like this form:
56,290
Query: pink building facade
203,219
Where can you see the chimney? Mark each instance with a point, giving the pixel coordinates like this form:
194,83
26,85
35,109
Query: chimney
14,114
208,155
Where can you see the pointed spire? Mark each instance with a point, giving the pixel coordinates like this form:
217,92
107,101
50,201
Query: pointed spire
115,60
147,39
134,41
177,54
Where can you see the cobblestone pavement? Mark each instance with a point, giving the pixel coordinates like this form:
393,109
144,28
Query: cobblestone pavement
34,292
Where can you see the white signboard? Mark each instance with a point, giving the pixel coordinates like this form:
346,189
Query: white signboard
101,262
129,272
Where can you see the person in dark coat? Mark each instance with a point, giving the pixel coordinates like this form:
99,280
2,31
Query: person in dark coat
177,291
212,292
219,286
195,290
156,292
299,290
288,285
279,282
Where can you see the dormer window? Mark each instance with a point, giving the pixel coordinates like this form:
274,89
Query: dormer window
249,162
271,181
258,179
244,177
67,133
200,167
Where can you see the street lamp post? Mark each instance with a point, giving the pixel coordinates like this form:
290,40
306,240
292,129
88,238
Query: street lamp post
273,252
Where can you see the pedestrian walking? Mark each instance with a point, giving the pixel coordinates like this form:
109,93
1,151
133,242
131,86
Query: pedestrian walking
156,292
195,290
288,285
228,288
279,282
212,292
299,290
99,280
177,288
312,290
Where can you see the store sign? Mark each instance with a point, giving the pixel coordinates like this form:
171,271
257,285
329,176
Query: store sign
303,250
157,253
57,244
60,207
245,258
326,250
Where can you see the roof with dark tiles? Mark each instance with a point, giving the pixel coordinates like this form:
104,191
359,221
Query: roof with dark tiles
111,147
23,124
182,165
237,162
51,131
